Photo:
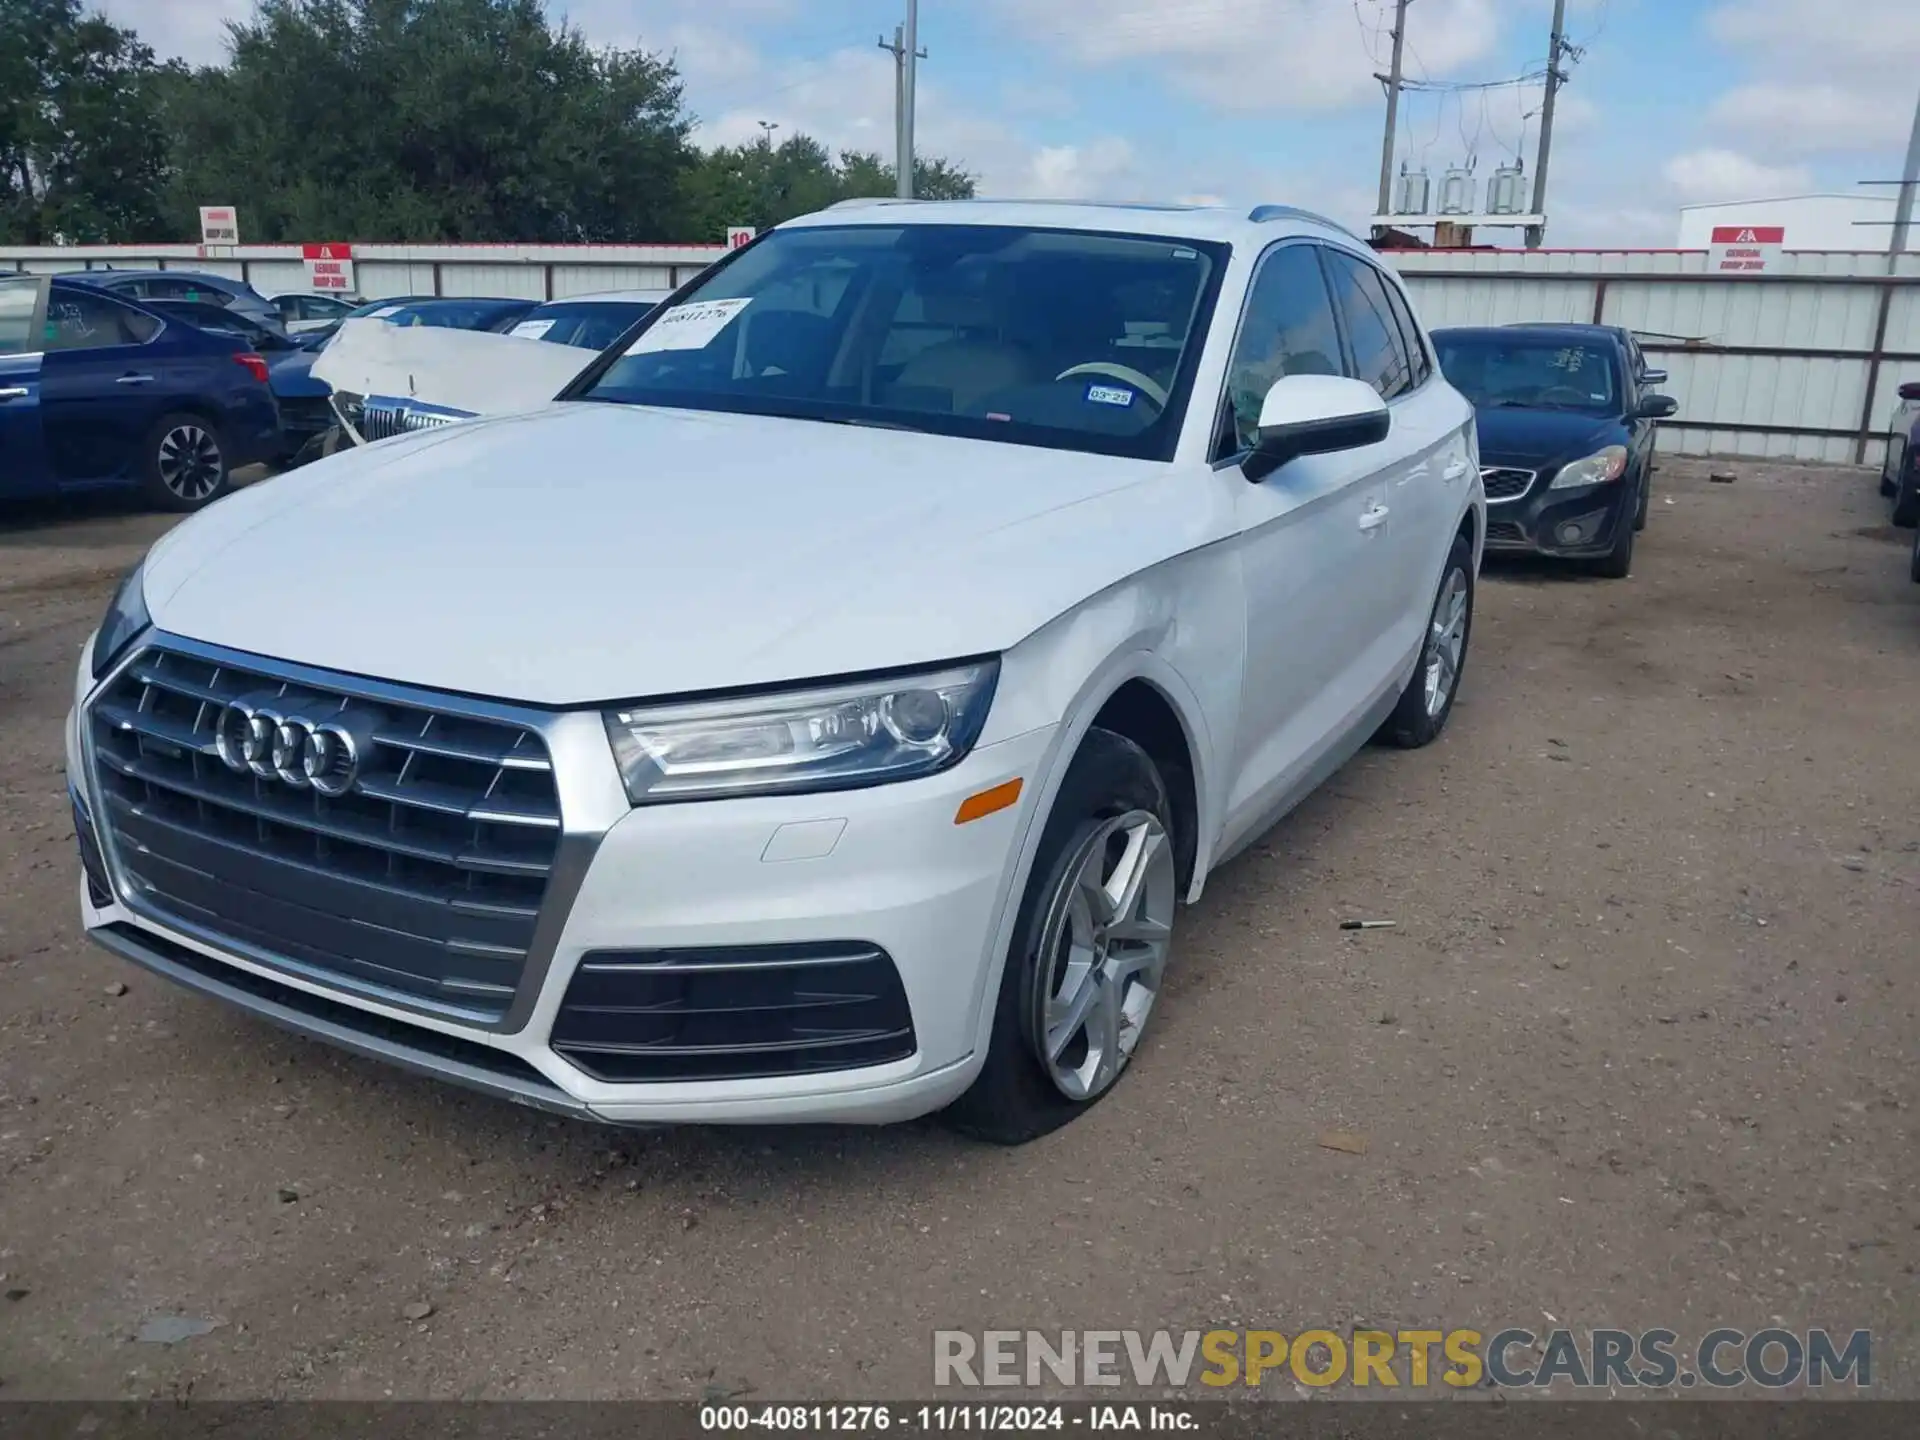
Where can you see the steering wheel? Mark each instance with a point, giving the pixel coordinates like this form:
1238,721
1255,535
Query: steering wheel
1146,385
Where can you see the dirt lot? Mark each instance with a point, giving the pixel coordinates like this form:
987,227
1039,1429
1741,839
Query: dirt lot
1640,1052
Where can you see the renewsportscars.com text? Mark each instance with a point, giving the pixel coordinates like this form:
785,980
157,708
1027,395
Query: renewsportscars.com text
1512,1358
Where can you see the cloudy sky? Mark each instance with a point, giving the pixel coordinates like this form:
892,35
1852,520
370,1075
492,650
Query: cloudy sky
1674,100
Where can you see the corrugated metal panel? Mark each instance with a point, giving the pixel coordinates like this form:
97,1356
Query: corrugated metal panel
1480,302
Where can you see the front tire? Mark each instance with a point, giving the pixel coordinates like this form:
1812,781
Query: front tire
1428,699
1617,563
1906,494
184,464
1089,950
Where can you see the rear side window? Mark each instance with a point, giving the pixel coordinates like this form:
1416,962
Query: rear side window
1409,332
19,303
1379,353
77,321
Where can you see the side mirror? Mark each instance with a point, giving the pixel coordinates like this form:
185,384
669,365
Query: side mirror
1315,415
1910,390
1656,407
1653,377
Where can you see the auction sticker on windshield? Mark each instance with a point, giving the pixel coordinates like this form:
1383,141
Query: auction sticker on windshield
688,327
531,329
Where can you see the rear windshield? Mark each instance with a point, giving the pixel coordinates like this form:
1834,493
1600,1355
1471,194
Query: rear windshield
1065,338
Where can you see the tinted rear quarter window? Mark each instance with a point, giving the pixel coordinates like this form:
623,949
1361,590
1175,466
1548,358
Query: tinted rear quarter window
1379,353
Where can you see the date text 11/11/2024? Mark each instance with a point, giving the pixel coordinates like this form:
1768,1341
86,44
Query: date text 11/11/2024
946,1419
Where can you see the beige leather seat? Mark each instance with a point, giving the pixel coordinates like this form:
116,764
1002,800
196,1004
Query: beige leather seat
968,368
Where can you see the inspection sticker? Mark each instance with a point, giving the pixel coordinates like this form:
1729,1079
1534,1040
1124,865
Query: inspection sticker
688,327
1109,395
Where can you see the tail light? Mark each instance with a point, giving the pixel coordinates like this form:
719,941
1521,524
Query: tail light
255,366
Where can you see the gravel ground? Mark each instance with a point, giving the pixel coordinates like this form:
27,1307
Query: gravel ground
1639,1053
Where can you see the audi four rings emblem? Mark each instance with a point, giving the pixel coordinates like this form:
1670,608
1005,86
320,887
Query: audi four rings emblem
268,735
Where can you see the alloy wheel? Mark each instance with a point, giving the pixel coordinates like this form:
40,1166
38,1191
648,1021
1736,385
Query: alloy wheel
1103,953
1446,642
190,463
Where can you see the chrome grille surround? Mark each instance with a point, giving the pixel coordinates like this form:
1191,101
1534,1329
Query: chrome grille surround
384,416
453,908
1506,483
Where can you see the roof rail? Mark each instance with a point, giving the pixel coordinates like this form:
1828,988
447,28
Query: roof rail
861,201
1262,214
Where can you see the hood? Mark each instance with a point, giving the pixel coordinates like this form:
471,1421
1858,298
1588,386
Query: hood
1536,439
588,552
474,371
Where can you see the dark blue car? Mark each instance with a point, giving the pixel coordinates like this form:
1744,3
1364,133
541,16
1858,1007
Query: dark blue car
1566,417
96,392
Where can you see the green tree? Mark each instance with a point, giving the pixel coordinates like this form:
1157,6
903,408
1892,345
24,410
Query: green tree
763,184
424,120
83,153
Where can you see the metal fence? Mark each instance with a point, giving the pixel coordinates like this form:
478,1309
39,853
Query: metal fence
1801,362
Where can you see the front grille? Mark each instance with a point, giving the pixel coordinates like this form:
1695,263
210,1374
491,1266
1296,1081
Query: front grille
1505,532
733,1014
422,882
1504,484
382,417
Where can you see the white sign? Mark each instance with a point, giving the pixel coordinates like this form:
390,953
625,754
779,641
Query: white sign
329,268
531,329
688,327
738,235
1745,249
219,225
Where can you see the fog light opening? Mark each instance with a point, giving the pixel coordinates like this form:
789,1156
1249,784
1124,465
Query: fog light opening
1571,534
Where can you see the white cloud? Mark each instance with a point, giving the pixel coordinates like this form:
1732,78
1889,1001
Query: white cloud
1808,118
1250,55
193,30
1824,82
1702,175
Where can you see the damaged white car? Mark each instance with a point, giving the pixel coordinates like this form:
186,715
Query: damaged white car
388,379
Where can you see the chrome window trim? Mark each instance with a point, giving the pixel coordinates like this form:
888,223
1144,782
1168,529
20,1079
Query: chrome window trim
587,788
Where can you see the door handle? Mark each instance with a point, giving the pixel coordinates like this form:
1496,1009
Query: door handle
1374,518
134,380
1456,471
15,392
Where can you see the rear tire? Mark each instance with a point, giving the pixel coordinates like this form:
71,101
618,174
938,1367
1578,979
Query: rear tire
184,464
1886,474
1913,566
1054,1054
1425,704
1906,494
1646,499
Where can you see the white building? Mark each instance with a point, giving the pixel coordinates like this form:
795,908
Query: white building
1860,220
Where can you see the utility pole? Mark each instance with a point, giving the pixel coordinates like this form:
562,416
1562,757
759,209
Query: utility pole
1393,79
1557,50
1909,183
906,52
767,127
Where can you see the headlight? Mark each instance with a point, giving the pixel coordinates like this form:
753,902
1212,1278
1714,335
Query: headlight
1597,469
864,732
126,618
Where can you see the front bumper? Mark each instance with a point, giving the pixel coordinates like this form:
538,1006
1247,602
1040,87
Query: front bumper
885,867
1536,521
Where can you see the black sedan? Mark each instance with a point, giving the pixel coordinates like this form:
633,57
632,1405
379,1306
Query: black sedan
1566,423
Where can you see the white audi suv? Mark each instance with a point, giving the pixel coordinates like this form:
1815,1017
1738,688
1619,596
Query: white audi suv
821,711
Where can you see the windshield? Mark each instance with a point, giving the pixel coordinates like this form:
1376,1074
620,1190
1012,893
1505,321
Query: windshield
1063,338
1530,374
588,325
442,314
